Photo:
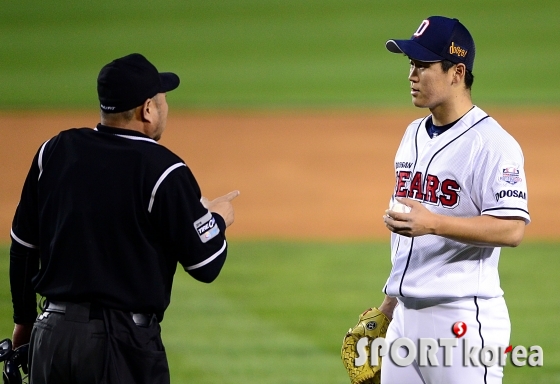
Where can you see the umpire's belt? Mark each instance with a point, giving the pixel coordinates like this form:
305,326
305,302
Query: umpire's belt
86,311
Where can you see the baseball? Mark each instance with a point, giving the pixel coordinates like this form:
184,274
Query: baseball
399,207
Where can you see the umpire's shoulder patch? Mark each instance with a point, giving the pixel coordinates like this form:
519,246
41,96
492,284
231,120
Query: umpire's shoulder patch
206,227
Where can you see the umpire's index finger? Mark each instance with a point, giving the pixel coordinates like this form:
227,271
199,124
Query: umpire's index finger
229,196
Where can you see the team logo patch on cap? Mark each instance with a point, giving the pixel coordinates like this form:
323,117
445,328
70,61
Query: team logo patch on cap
456,50
510,174
206,227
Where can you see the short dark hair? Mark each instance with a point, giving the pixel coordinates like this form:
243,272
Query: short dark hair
123,116
469,77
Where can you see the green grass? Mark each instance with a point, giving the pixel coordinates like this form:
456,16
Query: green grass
268,53
278,312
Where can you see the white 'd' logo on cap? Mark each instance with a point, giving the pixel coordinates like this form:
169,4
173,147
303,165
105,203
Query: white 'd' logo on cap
422,28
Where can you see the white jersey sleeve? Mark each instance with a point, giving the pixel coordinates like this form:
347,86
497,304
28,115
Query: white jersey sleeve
501,182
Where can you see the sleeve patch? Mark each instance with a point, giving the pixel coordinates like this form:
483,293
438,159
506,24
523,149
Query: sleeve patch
510,174
206,227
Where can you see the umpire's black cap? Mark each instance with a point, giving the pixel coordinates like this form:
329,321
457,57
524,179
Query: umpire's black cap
127,82
438,38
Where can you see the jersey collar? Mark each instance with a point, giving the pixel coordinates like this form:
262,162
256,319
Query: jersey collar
126,133
469,119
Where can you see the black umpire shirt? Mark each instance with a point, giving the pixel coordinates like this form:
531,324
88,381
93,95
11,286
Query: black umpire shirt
104,217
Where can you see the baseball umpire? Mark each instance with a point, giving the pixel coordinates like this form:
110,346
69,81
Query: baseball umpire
461,177
105,215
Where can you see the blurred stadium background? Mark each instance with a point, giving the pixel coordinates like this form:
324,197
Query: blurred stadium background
278,312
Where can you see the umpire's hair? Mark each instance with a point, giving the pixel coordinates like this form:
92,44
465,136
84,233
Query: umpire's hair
126,115
469,77
119,116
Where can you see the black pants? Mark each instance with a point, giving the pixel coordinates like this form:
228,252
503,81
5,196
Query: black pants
66,348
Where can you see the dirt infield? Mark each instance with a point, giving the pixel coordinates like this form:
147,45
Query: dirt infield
303,175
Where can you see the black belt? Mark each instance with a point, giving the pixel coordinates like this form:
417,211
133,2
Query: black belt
96,312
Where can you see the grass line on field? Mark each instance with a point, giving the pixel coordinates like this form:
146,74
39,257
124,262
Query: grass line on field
247,346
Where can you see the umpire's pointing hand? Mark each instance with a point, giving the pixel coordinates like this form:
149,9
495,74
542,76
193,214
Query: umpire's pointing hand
222,206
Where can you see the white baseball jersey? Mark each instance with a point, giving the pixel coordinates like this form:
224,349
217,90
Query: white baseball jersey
474,168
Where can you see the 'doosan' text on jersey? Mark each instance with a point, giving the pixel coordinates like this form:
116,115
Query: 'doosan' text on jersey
473,168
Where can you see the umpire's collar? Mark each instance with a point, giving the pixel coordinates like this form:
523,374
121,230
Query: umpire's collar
120,131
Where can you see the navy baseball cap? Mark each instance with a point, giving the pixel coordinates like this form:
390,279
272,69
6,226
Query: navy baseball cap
127,82
438,38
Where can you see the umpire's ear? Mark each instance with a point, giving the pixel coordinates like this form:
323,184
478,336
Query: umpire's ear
148,111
